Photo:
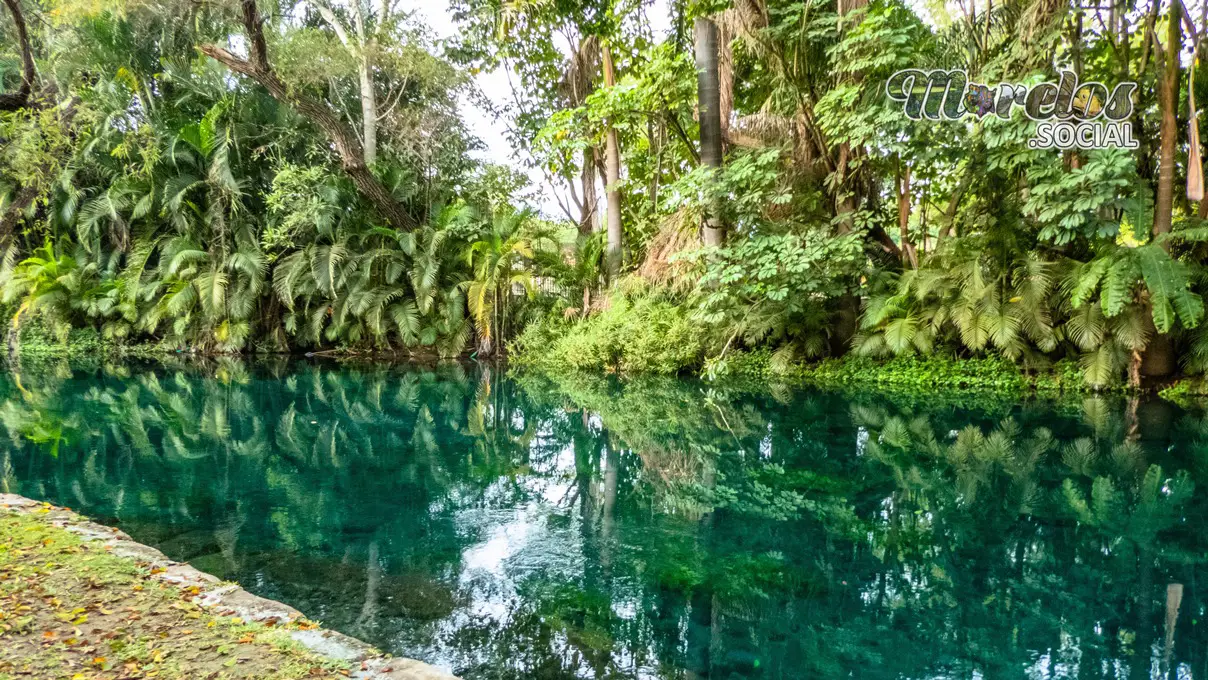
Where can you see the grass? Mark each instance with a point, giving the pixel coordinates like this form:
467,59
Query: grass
71,610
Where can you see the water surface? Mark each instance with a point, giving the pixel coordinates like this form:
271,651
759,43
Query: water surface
590,528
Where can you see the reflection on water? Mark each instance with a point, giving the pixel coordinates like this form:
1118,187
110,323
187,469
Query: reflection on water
523,528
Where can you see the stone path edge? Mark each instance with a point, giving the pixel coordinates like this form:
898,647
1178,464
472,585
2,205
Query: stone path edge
213,593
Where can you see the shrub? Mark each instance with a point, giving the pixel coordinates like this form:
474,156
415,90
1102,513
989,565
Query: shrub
637,333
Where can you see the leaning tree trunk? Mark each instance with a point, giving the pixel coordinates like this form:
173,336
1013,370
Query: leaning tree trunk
18,99
708,88
612,177
352,154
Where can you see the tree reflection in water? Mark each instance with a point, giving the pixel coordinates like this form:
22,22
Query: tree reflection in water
591,528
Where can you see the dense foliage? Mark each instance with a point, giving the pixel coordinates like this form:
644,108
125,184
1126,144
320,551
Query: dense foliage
149,195
238,177
852,229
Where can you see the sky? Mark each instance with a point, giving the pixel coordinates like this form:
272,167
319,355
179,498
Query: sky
480,122
494,85
435,14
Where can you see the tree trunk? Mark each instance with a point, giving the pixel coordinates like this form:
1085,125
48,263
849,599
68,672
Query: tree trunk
709,110
365,73
612,465
1159,359
1195,164
588,223
18,99
1202,209
1168,86
368,111
362,51
1174,600
352,155
612,178
373,580
909,256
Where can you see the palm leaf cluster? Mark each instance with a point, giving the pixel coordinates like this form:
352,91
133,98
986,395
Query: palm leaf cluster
1104,310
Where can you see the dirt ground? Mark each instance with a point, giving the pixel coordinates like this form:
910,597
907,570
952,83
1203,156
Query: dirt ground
69,609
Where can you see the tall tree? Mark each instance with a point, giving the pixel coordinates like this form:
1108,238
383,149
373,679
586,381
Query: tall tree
360,36
612,176
582,69
709,108
1168,98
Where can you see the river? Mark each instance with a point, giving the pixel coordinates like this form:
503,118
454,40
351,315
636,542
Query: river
527,527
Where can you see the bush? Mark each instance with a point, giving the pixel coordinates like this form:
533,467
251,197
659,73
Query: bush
635,334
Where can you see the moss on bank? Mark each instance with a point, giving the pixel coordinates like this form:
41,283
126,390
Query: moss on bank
934,373
38,341
71,610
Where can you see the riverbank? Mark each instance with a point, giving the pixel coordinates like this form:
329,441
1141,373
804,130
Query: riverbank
655,338
82,601
927,377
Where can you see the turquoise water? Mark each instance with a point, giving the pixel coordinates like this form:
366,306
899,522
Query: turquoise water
590,528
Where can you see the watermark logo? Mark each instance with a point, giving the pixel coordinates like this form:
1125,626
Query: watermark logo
1071,115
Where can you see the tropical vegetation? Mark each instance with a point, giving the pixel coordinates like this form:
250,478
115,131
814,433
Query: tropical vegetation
245,176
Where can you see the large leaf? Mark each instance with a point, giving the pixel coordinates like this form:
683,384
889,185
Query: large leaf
1169,285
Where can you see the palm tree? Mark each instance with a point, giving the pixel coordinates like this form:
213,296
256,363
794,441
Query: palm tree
498,261
44,282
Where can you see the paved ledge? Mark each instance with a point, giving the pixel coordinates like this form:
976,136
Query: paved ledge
228,599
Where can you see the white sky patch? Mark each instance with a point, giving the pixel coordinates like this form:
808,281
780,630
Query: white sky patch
495,86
